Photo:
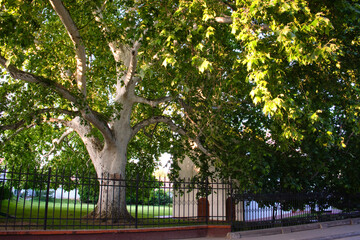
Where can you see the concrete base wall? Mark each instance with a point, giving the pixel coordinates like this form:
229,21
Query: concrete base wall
129,234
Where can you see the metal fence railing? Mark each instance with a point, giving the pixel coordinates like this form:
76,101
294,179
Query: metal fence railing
260,211
54,199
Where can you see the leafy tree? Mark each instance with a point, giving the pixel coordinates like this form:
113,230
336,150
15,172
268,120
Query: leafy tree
266,91
288,115
88,68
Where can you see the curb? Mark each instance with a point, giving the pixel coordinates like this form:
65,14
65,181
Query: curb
178,232
299,228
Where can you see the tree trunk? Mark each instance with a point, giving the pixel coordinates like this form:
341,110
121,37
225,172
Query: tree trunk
110,168
112,199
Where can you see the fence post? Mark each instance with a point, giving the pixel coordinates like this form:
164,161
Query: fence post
231,205
206,203
47,198
2,185
136,200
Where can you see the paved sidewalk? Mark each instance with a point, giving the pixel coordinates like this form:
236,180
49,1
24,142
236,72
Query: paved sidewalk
339,230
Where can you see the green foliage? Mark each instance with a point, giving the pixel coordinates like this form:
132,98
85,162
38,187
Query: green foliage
154,197
273,96
89,193
5,192
159,197
282,109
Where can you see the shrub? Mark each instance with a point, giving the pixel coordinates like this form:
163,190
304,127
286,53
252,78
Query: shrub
89,194
5,192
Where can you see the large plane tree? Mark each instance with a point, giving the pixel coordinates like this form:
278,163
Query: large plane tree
249,85
97,69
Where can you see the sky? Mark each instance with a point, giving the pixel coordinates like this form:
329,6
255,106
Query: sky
164,162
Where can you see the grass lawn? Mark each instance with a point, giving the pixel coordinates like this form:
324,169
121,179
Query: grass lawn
72,214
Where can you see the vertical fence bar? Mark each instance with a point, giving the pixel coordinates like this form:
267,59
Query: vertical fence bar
76,186
2,186
54,202
92,198
189,202
107,202
25,195
100,198
121,186
281,212
212,216
8,205
232,220
68,200
194,201
159,198
61,195
47,198
7,214
112,201
136,200
206,203
81,189
18,193
183,202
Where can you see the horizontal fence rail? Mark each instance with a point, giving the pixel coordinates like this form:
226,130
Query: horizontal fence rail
54,199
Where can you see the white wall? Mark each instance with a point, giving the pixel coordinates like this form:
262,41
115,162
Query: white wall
186,205
67,195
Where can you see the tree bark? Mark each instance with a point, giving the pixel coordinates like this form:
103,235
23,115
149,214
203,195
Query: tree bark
112,199
110,167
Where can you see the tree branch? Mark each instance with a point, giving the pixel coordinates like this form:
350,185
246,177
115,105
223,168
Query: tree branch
13,126
57,141
120,52
16,133
125,54
157,119
228,20
31,78
153,103
231,6
33,115
75,37
87,113
92,144
173,127
225,20
126,84
187,110
133,62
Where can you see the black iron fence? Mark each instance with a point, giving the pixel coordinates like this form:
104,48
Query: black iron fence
258,211
53,199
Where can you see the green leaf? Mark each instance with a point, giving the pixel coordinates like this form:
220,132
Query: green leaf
205,65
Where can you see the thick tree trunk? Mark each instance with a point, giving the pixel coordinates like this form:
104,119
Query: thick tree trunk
110,167
110,162
112,199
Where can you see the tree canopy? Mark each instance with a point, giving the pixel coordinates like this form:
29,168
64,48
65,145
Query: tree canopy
267,92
